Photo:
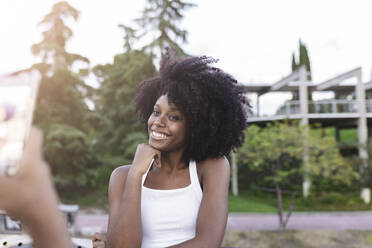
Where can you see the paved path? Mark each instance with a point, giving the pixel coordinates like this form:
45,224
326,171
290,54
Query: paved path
89,223
332,221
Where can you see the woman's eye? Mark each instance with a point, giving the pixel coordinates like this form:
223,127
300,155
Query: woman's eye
155,112
174,118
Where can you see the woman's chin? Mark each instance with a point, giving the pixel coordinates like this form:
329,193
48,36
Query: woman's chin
157,145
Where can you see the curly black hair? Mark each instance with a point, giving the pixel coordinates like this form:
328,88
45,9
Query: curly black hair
212,101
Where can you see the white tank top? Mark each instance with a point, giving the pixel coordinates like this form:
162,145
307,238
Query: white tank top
169,216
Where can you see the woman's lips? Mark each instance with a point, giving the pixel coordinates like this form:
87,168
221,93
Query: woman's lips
158,136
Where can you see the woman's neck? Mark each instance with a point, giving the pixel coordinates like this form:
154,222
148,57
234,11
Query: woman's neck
172,161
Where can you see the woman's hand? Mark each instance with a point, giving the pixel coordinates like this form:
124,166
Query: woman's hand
99,240
30,197
142,159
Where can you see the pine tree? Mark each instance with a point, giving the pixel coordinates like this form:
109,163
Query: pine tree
294,64
52,48
129,36
160,19
304,59
60,109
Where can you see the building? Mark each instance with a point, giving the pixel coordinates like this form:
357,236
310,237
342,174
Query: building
340,112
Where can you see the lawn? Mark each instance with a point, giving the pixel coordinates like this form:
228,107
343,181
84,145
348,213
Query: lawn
258,202
249,202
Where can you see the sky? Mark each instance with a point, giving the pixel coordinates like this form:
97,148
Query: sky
253,40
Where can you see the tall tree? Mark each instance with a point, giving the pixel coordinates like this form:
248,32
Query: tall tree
297,63
120,129
52,48
129,36
271,149
294,63
160,19
60,109
302,60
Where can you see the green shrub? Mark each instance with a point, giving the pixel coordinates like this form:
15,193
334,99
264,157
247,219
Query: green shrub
337,198
333,198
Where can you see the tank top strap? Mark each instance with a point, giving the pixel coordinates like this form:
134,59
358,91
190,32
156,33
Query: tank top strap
148,169
194,178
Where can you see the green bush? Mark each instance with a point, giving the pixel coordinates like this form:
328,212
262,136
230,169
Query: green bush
337,198
333,198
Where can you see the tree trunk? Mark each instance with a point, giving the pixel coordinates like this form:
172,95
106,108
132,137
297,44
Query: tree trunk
279,203
290,210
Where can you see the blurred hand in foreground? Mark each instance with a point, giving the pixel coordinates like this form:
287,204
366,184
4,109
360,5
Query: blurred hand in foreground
30,197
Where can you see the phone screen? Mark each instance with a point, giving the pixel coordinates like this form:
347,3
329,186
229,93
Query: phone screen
17,100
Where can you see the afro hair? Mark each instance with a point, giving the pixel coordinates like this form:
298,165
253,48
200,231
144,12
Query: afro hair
212,101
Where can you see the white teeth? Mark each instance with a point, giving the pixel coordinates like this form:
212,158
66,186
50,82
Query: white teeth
159,135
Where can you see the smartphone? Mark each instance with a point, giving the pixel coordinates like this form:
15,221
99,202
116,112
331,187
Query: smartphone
18,93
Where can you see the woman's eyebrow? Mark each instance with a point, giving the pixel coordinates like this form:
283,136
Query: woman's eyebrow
174,108
171,107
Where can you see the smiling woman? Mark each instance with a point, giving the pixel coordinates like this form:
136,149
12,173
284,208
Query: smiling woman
174,194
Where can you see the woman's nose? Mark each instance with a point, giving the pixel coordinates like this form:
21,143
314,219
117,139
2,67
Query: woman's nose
159,121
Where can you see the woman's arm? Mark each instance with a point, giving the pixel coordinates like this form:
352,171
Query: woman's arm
124,228
212,217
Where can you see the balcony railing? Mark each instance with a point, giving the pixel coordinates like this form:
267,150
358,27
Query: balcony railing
335,106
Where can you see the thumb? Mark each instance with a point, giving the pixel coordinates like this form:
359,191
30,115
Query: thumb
157,159
34,143
32,154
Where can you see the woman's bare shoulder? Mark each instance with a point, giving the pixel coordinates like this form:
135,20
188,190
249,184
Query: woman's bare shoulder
120,172
213,165
117,180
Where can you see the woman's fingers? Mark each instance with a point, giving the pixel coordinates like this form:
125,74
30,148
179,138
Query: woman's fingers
157,159
98,240
99,237
143,158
